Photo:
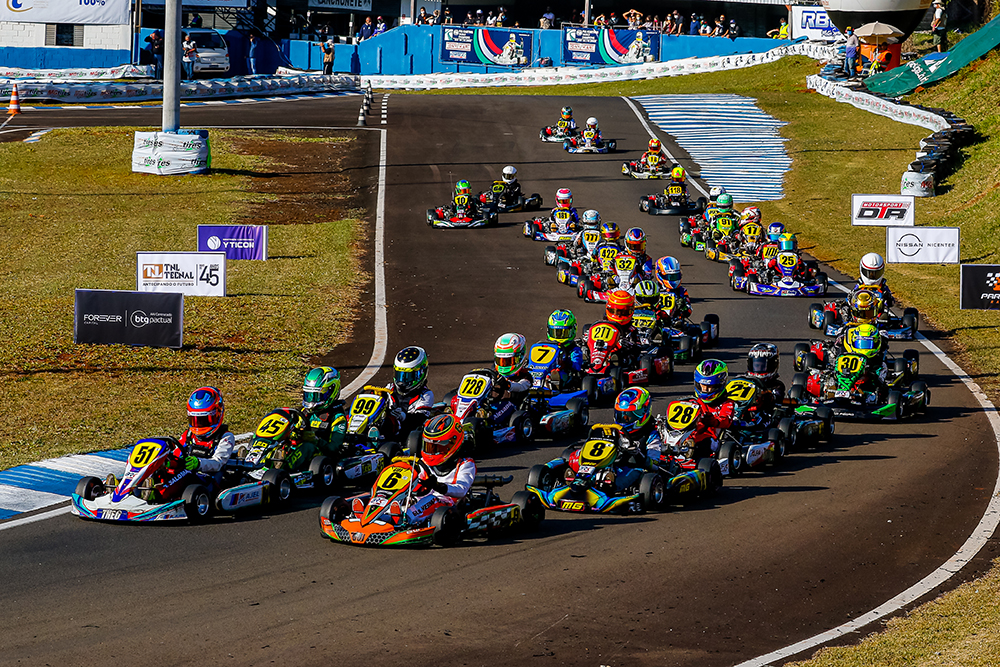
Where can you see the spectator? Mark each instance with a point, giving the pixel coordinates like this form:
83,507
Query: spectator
720,29
468,19
734,30
380,26
195,21
678,25
939,27
600,21
491,20
156,47
695,25
614,21
501,17
548,19
447,20
436,17
367,30
422,18
781,32
189,51
634,18
706,28
479,17
328,51
668,25
851,53
252,54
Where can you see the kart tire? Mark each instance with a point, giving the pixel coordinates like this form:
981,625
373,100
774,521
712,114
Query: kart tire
911,318
897,398
90,488
684,344
776,436
646,364
811,361
324,473
616,375
431,213
644,204
542,477
799,356
713,319
450,396
414,441
334,509
913,356
589,385
532,510
532,229
198,504
584,287
826,414
824,280
733,453
702,204
447,525
787,428
800,380
280,486
652,491
815,309
581,412
920,386
685,227
796,393
829,318
482,434
900,367
710,467
549,256
524,427
390,450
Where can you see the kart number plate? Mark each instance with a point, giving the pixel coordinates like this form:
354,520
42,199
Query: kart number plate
681,414
603,332
643,321
594,453
589,135
741,391
725,224
562,124
625,264
365,405
394,478
788,260
143,453
769,251
271,426
849,363
675,190
542,354
653,159
591,237
667,302
473,386
461,200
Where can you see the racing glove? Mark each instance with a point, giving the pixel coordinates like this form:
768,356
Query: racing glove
191,463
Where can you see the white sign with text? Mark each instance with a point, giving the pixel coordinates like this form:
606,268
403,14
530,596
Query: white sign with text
190,273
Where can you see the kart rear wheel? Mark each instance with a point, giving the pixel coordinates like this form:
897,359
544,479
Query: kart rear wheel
390,450
523,426
823,280
89,488
335,509
733,454
482,432
815,314
542,477
589,385
776,437
716,332
324,473
646,364
584,288
532,510
921,387
811,361
616,375
197,502
550,255
799,356
414,442
447,525
829,427
280,486
911,318
702,204
896,398
913,357
829,319
710,467
796,393
581,413
652,491
644,204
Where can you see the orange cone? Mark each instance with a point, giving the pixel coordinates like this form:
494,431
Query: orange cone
15,104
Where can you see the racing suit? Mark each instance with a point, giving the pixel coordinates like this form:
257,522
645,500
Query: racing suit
883,287
511,192
876,371
640,452
644,160
471,208
409,411
570,126
327,428
801,273
683,302
448,488
212,454
573,215
716,417
570,366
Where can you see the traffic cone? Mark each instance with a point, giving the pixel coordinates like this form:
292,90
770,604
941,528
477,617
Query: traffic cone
15,104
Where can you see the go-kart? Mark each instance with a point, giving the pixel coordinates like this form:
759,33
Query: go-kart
674,201
685,436
723,242
555,401
694,229
371,430
598,476
597,266
686,338
493,420
462,214
381,517
557,133
653,167
792,276
609,367
588,142
624,274
845,387
498,199
557,227
832,316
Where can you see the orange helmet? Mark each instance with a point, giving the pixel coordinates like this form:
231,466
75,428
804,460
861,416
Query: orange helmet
619,309
654,145
443,437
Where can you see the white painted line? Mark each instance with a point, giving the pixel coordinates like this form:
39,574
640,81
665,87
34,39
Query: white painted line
973,545
83,464
51,514
16,499
652,135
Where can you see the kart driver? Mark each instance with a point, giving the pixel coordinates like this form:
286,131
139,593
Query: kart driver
411,399
872,271
654,150
635,245
471,206
710,379
512,189
668,275
592,127
787,243
208,442
638,437
762,366
564,202
619,312
323,409
678,177
591,221
566,115
561,330
867,341
510,356
442,472
750,214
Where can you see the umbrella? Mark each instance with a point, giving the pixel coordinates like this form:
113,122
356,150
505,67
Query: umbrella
877,33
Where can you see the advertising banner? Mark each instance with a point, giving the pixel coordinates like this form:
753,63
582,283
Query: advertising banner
340,5
190,273
486,46
606,46
922,245
108,317
167,153
882,210
237,241
86,12
980,287
812,22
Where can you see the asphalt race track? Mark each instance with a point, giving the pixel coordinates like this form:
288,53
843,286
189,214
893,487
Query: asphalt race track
779,556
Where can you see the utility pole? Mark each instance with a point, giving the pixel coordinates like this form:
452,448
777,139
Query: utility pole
586,12
172,66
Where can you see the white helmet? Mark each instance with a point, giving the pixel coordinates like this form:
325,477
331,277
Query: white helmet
592,123
872,268
509,174
714,193
591,219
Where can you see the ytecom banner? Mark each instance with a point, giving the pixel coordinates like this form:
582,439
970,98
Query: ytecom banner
605,46
882,210
237,241
86,12
190,273
922,245
486,46
812,22
980,287
108,317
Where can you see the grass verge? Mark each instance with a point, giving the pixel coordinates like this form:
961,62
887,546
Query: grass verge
73,216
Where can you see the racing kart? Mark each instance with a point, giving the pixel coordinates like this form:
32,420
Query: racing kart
845,388
492,420
382,517
832,316
555,228
609,368
555,401
792,277
754,422
674,202
461,215
685,438
598,476
498,198
557,133
623,274
587,142
694,229
686,338
654,167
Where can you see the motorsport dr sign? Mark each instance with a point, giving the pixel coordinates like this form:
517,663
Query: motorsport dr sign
82,12
882,210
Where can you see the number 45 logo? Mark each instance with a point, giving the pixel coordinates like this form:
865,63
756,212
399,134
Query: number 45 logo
208,273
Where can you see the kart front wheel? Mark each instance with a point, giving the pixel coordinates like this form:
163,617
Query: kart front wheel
390,450
733,454
89,488
523,427
581,412
334,509
197,503
279,484
799,356
542,477
532,510
826,414
652,491
324,473
713,472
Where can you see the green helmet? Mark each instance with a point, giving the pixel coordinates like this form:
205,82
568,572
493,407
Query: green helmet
562,327
463,187
320,389
725,201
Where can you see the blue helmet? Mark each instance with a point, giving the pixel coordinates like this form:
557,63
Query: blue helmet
710,379
775,230
668,272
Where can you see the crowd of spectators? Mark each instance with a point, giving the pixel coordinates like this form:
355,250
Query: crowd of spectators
672,24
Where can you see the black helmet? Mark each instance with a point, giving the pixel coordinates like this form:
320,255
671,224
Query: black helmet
762,361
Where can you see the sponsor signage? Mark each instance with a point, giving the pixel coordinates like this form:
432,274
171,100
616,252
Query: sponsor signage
922,245
108,317
190,273
350,5
237,241
486,46
980,288
812,22
605,46
882,210
87,12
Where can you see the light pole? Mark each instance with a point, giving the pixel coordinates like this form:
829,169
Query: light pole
172,66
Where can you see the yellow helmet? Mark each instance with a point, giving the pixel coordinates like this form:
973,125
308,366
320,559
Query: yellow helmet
678,174
865,306
864,340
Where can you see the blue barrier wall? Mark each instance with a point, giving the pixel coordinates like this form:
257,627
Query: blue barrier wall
61,57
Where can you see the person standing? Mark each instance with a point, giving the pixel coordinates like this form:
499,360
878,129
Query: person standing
367,30
695,25
780,32
190,54
734,30
156,48
195,21
380,26
939,27
328,52
851,53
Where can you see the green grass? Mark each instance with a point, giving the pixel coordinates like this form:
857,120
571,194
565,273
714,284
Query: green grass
73,216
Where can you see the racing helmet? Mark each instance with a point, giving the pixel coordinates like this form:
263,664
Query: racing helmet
205,412
320,388
463,187
725,202
566,113
762,361
863,339
509,353
668,273
865,306
635,240
654,145
872,268
647,293
561,328
619,308
678,174
714,193
564,198
788,243
591,219
775,230
633,409
442,438
591,123
710,379
610,231
750,214
409,370
509,174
